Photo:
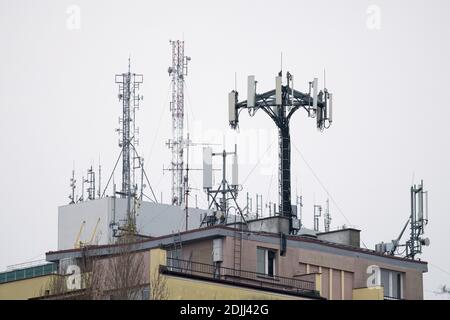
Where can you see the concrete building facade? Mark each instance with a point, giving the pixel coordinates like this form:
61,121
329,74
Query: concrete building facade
294,266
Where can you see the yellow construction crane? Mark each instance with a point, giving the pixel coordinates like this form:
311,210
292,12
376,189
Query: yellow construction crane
77,240
91,240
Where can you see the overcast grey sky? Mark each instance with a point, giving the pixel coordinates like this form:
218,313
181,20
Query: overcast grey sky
389,77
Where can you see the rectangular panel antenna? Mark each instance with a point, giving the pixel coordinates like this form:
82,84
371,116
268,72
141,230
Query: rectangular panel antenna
330,107
207,168
420,206
315,92
292,94
251,91
278,97
234,171
218,250
232,106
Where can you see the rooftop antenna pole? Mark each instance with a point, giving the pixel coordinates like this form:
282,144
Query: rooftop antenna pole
177,71
327,218
72,187
417,221
186,186
99,180
90,180
82,189
225,192
280,104
317,215
281,62
142,178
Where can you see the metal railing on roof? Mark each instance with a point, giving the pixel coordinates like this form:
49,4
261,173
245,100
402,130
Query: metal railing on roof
264,281
28,272
25,265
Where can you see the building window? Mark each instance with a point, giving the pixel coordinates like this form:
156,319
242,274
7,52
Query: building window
266,261
146,293
392,282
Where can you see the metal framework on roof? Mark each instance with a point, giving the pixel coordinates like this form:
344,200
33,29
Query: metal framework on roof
280,104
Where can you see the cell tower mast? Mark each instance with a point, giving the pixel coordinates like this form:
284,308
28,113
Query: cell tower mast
128,93
177,71
280,104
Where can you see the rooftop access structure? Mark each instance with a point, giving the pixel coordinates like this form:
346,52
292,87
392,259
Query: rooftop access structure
280,104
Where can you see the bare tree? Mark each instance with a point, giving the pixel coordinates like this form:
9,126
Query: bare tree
56,285
120,276
125,272
158,287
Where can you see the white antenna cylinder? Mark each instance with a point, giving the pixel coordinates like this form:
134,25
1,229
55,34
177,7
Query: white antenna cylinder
232,106
234,171
330,107
278,97
292,95
207,168
315,92
251,91
420,206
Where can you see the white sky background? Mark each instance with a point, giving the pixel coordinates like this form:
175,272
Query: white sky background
59,105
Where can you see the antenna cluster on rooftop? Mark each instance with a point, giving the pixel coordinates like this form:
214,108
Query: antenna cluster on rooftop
279,104
223,197
417,221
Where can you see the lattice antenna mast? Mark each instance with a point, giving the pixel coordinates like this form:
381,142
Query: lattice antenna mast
90,180
177,71
129,84
280,104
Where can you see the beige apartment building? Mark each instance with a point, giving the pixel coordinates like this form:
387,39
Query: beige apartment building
234,262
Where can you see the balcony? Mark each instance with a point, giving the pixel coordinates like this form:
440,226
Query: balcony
239,277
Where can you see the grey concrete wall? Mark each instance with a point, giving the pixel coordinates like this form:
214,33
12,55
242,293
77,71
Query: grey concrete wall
347,237
152,219
70,218
273,225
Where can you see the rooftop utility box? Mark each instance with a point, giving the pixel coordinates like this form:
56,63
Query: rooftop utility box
347,236
275,224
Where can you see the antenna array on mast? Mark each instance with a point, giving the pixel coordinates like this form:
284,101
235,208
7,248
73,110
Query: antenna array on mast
224,198
417,221
177,71
129,85
280,104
